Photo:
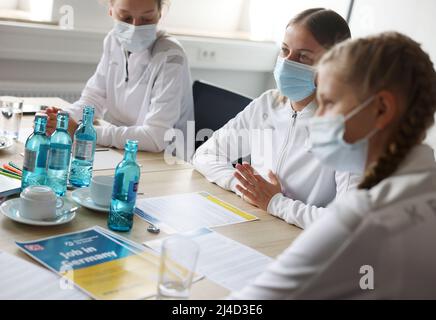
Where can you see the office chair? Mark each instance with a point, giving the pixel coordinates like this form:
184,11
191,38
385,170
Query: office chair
214,107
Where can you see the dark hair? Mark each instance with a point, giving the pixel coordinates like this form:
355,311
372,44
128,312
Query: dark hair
160,3
326,26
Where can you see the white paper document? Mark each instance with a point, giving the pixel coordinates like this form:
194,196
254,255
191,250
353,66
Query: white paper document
22,280
24,134
131,245
9,186
222,260
188,212
106,160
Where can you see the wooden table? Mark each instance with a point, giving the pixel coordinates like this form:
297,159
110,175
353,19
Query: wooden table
269,235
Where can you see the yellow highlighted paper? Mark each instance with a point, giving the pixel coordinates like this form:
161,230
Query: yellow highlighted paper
133,277
242,214
188,212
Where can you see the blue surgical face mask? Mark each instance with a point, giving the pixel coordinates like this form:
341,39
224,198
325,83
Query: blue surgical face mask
294,80
328,144
135,38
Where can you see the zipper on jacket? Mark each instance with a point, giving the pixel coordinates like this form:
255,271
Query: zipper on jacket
288,137
127,55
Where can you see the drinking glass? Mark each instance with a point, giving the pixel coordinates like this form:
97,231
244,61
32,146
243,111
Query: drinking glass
11,113
179,257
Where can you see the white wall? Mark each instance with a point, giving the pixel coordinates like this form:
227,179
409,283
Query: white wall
229,69
210,15
90,15
413,18
9,4
32,58
268,19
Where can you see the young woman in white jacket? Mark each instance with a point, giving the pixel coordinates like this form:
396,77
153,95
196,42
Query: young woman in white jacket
142,85
269,132
377,100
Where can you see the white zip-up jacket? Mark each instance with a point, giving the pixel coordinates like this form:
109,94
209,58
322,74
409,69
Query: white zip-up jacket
139,96
274,136
376,244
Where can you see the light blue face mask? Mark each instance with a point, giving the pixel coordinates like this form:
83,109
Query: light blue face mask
328,144
135,38
294,80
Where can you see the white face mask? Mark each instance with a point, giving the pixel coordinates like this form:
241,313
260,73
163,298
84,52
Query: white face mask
135,38
328,144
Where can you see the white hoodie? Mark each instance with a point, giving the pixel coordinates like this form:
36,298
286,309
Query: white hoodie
376,244
140,96
276,140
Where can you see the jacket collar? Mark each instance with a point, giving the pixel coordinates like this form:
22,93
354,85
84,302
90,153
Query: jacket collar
307,112
421,158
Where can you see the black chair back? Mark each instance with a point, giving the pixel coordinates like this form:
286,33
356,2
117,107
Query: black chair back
214,107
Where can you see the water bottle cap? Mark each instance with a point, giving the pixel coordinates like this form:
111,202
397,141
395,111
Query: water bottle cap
41,116
132,145
88,108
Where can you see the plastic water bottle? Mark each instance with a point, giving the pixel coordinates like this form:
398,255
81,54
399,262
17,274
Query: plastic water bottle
35,155
85,139
59,156
127,176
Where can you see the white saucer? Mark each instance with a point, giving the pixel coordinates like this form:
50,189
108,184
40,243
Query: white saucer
11,209
83,197
8,142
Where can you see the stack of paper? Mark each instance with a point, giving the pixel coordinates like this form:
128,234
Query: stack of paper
188,212
222,260
98,264
22,280
107,160
9,186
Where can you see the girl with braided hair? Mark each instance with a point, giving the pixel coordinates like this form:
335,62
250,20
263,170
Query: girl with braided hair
377,99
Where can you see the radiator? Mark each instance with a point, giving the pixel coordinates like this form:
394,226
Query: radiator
68,92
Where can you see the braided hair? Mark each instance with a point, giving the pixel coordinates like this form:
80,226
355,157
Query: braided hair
390,61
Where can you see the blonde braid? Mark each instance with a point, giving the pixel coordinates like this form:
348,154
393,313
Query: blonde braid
391,61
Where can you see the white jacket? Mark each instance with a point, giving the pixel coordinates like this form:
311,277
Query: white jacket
383,240
140,96
276,141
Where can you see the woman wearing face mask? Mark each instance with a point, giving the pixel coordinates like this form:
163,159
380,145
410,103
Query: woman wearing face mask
142,85
269,132
377,99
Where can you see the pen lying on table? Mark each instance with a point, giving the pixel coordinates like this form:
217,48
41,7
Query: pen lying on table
12,169
9,175
13,165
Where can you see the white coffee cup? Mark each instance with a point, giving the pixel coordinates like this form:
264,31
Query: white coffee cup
101,190
39,203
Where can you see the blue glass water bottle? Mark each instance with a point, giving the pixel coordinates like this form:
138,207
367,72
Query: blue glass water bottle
59,156
85,140
35,155
127,176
